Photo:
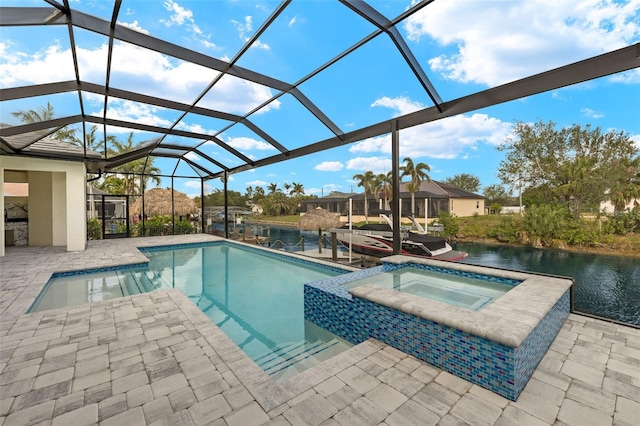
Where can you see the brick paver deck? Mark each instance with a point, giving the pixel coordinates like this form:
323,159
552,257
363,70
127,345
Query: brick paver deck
156,359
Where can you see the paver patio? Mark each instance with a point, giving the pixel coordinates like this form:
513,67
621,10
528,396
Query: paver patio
155,358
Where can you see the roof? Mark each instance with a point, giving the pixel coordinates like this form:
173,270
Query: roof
428,189
435,189
82,27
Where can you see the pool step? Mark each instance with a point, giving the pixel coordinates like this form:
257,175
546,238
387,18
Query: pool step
291,355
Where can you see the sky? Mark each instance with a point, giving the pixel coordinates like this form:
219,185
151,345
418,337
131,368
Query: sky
463,47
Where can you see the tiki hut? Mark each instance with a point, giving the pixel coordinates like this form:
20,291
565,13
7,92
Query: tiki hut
157,202
319,219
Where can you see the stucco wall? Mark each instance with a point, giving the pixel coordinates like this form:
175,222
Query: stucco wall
465,208
56,200
40,209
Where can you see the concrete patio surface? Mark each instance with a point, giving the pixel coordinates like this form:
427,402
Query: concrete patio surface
155,358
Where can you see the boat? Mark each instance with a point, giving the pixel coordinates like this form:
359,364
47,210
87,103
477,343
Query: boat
377,240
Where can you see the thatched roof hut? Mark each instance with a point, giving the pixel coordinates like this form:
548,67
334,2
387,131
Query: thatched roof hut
157,202
318,219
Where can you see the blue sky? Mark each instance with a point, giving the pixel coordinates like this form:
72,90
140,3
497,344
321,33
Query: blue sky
463,47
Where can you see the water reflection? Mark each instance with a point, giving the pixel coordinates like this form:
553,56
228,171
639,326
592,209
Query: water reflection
605,285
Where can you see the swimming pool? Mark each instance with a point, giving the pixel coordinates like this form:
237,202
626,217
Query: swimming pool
254,295
464,291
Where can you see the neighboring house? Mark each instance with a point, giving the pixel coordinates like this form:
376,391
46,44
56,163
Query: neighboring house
114,205
435,196
608,207
336,202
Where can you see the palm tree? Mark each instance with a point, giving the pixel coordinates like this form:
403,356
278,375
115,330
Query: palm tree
382,185
366,181
297,189
45,114
627,186
124,179
417,173
95,144
272,187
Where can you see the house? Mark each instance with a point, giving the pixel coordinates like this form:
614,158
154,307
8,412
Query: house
433,197
336,202
55,198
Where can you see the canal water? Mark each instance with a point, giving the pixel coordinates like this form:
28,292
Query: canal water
607,286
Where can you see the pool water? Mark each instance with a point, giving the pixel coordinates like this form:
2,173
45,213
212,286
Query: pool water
456,290
255,298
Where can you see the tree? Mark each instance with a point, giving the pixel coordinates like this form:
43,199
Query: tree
417,173
66,134
126,178
366,181
216,198
276,203
382,185
497,194
272,188
577,166
464,181
258,194
297,189
249,193
627,187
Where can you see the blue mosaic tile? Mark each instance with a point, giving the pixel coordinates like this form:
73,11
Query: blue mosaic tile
499,368
101,269
508,281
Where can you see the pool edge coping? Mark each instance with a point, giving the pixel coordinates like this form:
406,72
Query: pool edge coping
506,320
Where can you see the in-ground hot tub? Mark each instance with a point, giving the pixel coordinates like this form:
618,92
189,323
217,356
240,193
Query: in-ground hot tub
497,346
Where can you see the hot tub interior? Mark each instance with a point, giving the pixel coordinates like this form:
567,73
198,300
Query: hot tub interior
464,291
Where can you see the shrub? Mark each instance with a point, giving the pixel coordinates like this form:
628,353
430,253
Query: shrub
545,223
94,229
507,230
450,224
161,225
623,223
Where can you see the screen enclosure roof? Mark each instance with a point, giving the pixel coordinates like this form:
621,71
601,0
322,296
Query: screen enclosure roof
235,97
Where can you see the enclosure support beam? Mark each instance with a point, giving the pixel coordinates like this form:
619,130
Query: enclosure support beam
202,230
226,204
395,185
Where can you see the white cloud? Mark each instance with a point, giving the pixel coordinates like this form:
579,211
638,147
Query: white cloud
256,182
134,26
636,140
497,42
133,68
331,187
402,104
243,143
180,14
192,156
246,28
376,164
293,21
133,112
17,68
260,45
446,138
195,184
329,166
588,112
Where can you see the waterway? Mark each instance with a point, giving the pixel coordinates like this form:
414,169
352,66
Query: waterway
606,286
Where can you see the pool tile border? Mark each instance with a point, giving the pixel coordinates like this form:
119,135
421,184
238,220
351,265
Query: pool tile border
472,345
